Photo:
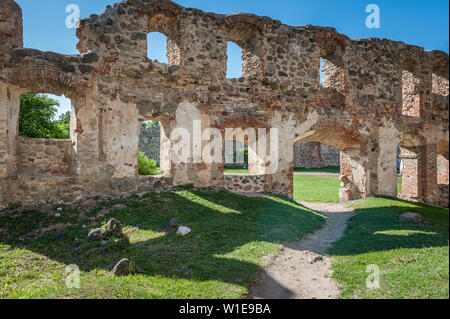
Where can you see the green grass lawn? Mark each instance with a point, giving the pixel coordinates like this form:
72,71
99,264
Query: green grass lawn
316,189
231,236
236,170
310,188
413,260
331,170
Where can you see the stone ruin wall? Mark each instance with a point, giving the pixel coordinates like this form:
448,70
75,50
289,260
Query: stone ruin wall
43,156
443,195
306,155
377,95
315,155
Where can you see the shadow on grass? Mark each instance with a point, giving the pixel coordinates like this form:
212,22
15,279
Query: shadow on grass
231,234
378,229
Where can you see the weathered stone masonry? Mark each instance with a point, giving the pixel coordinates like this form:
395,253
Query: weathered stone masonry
150,142
306,155
315,155
377,94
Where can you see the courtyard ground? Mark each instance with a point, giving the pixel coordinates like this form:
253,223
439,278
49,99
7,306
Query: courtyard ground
413,260
316,189
231,236
235,240
302,270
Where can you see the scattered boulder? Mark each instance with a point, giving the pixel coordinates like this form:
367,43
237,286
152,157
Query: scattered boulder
413,218
171,225
98,234
114,228
183,231
316,259
123,268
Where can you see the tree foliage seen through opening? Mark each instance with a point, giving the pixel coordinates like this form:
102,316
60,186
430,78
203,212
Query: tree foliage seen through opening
37,118
146,166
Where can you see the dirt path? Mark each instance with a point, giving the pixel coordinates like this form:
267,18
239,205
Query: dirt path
301,270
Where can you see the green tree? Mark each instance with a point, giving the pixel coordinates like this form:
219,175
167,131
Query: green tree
65,118
37,118
146,166
149,124
64,126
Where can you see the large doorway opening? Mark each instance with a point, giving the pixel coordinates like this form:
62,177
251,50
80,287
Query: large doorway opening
236,158
149,156
316,172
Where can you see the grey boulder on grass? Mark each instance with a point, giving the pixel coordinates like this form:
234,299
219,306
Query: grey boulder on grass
171,225
123,268
98,234
183,231
114,228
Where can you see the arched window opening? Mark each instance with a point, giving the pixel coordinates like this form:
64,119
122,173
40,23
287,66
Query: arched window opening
332,72
43,145
149,158
234,60
443,168
44,116
157,47
410,166
442,151
399,168
236,158
321,71
412,87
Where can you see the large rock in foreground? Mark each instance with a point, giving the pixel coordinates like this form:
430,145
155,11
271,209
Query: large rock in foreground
171,225
123,268
183,231
98,234
114,228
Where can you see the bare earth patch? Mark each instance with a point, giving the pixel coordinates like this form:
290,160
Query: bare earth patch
301,270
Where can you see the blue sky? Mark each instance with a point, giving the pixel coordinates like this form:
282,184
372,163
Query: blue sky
419,22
